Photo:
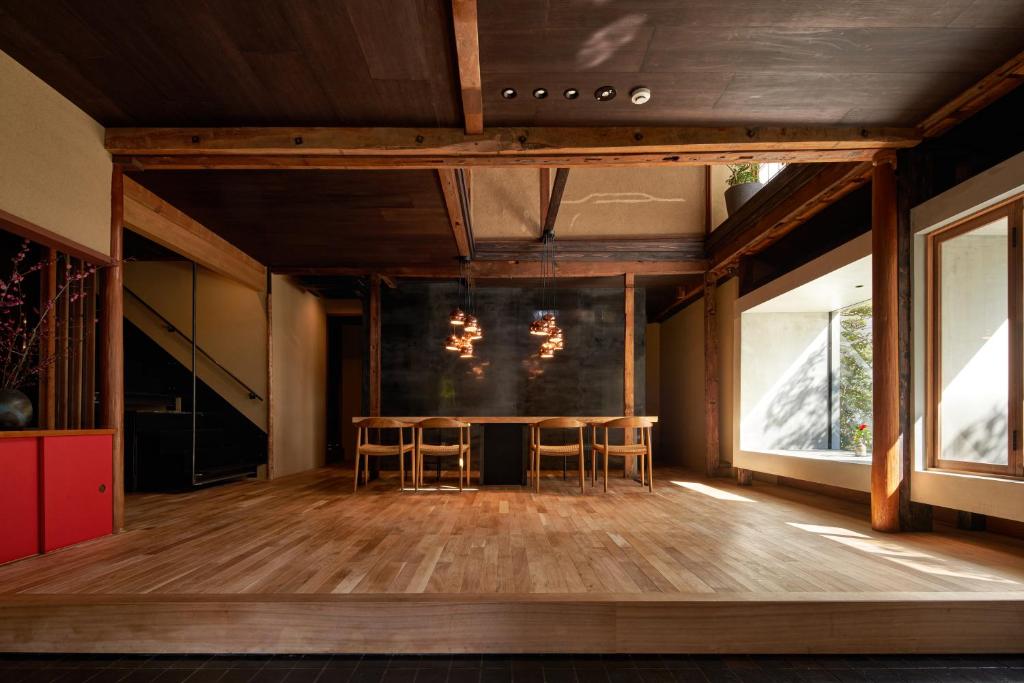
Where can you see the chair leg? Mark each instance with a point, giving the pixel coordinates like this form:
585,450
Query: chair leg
642,468
460,471
650,471
355,478
593,467
401,470
606,471
366,469
536,471
583,487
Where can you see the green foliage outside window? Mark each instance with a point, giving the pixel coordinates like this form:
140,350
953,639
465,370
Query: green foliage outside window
855,375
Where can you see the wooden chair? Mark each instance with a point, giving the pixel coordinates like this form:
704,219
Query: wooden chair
460,450
365,448
538,448
642,450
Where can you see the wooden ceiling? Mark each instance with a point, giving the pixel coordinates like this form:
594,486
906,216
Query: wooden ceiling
240,62
300,219
392,62
722,62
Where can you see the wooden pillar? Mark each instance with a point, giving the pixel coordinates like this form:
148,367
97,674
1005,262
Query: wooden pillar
629,361
744,477
48,346
374,346
711,374
112,343
886,457
271,457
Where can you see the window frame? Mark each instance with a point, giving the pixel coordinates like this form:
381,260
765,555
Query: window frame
1013,211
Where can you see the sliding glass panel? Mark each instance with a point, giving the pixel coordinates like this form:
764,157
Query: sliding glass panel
973,346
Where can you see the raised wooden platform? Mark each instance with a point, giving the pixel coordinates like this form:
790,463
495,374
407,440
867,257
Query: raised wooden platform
304,565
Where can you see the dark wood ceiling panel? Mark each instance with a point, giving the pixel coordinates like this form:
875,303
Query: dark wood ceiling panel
237,62
317,218
720,62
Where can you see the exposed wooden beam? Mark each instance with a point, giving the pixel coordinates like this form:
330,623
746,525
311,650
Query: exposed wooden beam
456,214
555,201
467,46
112,344
886,457
652,249
159,221
439,147
509,269
545,195
974,99
791,198
711,368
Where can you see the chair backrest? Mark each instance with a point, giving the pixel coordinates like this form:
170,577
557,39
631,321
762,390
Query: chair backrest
559,423
628,423
381,423
441,423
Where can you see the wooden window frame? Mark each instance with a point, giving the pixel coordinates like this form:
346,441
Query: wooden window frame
1013,211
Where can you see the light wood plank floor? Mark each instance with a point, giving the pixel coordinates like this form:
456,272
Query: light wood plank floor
309,533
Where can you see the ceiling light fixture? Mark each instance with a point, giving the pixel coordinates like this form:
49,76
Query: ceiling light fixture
604,93
571,93
508,93
540,93
462,340
547,325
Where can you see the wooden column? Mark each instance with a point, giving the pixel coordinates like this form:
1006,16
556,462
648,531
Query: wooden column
112,343
629,363
48,346
271,458
886,457
711,374
374,346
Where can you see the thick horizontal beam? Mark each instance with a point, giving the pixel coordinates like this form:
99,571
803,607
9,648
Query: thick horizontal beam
511,269
983,93
155,219
791,198
652,249
439,147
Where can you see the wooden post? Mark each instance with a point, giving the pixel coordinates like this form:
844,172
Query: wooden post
112,343
271,462
744,477
886,457
374,347
48,346
711,375
628,363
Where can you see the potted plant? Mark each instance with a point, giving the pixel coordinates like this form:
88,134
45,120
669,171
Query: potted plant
22,333
861,439
743,184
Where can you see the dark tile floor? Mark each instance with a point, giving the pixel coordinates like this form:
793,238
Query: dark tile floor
483,669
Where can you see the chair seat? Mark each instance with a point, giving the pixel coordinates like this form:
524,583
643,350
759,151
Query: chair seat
621,449
567,449
435,449
384,449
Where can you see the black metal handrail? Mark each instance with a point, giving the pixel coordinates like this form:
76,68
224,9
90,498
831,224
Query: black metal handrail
171,327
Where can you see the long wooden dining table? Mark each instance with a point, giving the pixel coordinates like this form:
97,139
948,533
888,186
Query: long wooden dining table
502,441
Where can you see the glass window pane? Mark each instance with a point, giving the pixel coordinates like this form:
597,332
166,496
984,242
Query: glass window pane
973,343
854,377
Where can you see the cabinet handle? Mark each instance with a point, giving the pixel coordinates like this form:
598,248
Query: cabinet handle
103,488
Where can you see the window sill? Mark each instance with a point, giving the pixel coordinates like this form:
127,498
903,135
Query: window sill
826,455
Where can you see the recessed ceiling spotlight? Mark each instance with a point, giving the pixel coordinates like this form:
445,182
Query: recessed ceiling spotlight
571,93
540,93
640,95
604,93
509,93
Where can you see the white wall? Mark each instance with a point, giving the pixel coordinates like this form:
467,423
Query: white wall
54,170
785,381
299,382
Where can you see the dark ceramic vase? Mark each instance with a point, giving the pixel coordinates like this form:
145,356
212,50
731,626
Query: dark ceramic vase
738,195
15,409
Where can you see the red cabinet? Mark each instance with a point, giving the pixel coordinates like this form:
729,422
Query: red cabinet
19,498
77,495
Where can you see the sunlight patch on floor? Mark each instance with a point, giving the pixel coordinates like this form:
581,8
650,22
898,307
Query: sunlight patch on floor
712,491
